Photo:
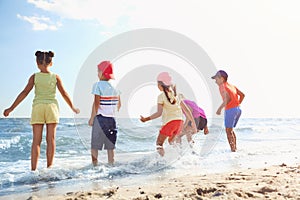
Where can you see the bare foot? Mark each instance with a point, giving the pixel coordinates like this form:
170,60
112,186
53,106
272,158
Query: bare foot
95,163
161,151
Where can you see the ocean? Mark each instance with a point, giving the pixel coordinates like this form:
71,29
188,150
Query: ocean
261,142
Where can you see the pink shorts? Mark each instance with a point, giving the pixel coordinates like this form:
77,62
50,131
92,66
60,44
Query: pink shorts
172,128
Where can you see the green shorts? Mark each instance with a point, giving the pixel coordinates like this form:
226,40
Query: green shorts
45,114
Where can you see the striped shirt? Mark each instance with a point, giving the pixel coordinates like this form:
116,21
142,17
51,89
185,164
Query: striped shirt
109,98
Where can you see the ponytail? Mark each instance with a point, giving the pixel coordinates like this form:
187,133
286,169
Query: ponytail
170,92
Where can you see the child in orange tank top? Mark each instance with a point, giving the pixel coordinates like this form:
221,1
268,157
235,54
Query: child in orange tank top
232,98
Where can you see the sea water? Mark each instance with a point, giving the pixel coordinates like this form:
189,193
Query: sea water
260,143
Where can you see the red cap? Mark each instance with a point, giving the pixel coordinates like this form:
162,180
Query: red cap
107,69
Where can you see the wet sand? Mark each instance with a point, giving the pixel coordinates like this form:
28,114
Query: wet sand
275,182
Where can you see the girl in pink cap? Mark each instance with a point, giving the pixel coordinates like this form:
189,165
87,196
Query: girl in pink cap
170,107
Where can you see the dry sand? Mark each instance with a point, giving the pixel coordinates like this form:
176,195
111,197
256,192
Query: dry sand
276,182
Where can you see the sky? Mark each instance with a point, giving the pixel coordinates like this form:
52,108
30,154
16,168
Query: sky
256,41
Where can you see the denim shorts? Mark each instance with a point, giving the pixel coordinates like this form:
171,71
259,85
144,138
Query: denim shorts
232,117
104,133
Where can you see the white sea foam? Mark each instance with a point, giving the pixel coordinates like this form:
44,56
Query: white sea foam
6,143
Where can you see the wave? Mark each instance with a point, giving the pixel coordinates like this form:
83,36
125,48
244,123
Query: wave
75,169
7,143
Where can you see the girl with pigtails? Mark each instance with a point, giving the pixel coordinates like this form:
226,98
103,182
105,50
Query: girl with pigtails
45,106
170,107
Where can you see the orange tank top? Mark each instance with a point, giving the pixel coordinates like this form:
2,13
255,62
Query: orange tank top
232,92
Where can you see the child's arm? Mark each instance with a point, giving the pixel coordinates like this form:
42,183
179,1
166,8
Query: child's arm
65,95
21,96
225,102
93,114
119,103
154,115
96,104
95,107
241,95
186,119
189,115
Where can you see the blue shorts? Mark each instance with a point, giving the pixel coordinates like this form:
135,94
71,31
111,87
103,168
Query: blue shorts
104,133
232,116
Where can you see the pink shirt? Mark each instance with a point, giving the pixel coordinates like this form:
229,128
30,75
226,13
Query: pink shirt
196,110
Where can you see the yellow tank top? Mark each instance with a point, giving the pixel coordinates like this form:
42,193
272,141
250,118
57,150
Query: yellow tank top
170,111
45,88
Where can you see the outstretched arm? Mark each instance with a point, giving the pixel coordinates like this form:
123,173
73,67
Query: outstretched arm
155,115
21,96
65,95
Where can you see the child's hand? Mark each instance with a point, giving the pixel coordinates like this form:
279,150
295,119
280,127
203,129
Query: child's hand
219,111
7,111
144,119
91,122
206,131
76,110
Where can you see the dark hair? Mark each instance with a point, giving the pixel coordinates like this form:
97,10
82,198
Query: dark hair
44,58
170,92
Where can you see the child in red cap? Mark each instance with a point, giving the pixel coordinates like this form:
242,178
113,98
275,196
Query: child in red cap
170,107
106,102
232,98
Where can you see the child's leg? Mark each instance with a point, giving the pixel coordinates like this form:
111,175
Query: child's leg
234,139
178,139
94,153
36,143
231,118
179,136
188,133
110,156
231,139
189,137
159,142
50,138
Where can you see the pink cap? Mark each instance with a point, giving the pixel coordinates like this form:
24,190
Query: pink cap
107,69
165,78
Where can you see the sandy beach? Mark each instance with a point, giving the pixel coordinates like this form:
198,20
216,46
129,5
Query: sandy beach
275,182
